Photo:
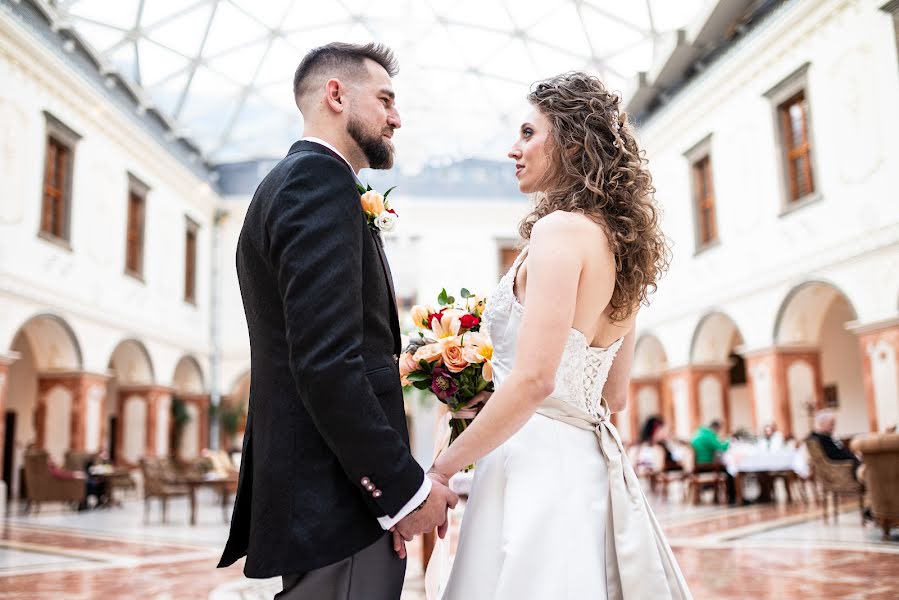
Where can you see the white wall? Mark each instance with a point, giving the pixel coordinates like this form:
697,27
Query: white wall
87,285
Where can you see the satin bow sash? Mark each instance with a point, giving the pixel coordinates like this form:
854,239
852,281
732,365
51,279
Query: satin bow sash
639,561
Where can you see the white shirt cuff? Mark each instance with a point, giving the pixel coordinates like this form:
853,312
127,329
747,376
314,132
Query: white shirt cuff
420,496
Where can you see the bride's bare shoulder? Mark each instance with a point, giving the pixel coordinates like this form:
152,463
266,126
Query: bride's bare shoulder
576,229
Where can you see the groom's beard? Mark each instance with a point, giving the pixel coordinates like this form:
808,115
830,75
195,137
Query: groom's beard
377,150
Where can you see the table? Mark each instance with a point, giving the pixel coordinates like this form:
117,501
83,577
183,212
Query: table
224,485
786,462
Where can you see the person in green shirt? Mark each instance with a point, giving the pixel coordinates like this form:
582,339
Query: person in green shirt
706,446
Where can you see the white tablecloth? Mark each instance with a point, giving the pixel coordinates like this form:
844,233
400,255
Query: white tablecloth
745,458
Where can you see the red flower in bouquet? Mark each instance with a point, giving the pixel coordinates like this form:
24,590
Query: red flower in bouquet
442,383
470,321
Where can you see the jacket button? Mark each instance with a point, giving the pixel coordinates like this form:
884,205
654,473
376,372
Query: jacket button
366,481
376,494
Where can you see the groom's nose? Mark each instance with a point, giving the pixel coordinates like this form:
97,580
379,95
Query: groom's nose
393,119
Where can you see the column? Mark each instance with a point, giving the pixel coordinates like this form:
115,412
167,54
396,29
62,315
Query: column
200,404
880,369
144,422
681,405
70,412
709,387
641,392
785,387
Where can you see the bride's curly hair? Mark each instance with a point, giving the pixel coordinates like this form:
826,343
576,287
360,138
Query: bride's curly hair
598,170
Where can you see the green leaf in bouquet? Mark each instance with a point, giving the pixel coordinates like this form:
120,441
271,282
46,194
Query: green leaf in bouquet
368,188
421,385
361,189
451,300
465,293
442,298
387,193
425,366
418,376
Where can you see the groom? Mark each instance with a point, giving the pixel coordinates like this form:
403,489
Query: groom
326,471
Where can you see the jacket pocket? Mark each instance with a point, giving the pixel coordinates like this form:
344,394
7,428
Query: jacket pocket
383,380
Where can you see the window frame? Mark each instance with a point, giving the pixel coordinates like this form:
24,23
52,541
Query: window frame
699,152
191,228
59,134
136,189
781,94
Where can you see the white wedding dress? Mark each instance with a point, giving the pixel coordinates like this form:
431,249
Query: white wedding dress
556,512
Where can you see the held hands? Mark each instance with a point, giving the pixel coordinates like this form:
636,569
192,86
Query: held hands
432,514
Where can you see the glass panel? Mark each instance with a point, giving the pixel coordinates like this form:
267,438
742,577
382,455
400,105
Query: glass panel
797,122
464,71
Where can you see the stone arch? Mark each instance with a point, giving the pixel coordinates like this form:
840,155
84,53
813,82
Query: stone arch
189,388
802,310
53,341
188,376
719,373
40,390
131,364
650,358
714,339
823,364
646,392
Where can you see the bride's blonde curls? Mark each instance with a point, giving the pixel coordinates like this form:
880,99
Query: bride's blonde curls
598,170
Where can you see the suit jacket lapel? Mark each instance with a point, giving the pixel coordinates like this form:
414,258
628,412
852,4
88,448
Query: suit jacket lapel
394,313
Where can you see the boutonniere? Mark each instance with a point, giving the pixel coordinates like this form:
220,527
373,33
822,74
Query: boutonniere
378,214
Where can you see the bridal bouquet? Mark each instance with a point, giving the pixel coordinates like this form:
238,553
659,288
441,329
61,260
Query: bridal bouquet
451,356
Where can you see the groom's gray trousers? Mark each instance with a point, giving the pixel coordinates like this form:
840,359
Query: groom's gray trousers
373,573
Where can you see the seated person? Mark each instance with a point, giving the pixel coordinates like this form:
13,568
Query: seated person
654,440
707,447
771,438
825,424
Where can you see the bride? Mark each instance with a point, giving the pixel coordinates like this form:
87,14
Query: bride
555,510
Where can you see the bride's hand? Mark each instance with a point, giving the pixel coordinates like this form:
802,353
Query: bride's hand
471,408
479,399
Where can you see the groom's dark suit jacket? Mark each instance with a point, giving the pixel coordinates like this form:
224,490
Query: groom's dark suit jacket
326,407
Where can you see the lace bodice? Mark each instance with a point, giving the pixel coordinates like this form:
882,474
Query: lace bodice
583,370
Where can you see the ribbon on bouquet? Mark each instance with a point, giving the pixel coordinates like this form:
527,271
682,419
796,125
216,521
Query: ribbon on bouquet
639,561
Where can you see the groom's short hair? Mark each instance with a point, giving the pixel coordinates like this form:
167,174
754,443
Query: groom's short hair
340,59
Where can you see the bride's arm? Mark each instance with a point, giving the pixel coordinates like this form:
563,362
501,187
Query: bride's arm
555,262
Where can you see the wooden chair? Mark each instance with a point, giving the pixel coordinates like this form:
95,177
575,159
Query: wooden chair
836,478
160,481
881,476
699,477
42,486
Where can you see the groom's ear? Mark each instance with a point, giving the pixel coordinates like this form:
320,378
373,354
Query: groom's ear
334,95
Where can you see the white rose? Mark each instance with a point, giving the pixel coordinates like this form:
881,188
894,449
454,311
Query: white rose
385,221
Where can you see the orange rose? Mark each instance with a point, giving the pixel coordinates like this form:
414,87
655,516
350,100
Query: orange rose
453,356
428,353
373,203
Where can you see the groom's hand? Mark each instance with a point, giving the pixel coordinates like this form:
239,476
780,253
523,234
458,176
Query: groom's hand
431,515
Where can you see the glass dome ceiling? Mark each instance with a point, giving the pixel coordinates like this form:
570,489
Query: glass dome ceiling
222,69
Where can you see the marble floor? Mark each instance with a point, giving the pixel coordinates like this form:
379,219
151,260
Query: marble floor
760,552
